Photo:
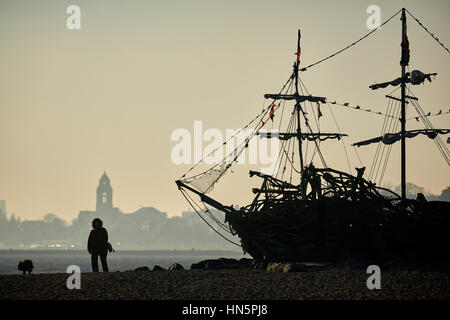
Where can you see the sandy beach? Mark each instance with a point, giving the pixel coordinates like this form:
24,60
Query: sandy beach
329,283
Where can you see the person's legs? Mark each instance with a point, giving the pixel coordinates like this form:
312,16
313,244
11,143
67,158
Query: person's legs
103,256
94,261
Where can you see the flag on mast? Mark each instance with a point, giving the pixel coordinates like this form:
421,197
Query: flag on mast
298,53
405,48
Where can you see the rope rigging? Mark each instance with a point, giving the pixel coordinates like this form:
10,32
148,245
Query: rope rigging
393,111
442,147
368,34
350,45
260,115
316,143
347,105
192,204
431,34
386,159
390,125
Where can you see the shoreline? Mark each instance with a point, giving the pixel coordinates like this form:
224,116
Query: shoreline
322,283
58,261
201,251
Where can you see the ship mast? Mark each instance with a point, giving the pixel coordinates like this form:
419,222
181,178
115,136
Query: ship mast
403,111
298,106
416,77
311,136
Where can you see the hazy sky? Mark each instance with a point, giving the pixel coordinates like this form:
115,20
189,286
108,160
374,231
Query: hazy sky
75,103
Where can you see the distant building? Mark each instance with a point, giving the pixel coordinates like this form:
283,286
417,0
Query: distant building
104,193
115,221
104,207
2,209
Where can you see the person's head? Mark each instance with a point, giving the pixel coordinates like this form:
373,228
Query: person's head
97,223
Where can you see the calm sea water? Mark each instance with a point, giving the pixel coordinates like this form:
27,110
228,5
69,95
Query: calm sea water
57,261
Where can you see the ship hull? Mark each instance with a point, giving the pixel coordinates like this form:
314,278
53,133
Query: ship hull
333,229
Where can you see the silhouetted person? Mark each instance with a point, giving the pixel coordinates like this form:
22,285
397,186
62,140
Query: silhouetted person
98,245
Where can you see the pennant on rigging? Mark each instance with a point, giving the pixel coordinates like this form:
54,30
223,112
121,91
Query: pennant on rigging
319,113
271,113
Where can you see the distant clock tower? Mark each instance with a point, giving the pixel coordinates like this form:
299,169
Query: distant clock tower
104,194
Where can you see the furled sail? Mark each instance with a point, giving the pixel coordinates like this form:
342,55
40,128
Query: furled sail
390,138
303,136
296,97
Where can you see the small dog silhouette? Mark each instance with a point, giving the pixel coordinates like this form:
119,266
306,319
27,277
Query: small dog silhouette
26,265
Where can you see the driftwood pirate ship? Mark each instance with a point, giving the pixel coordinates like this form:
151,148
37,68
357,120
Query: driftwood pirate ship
309,211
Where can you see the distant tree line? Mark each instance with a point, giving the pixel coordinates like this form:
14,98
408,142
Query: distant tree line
412,190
